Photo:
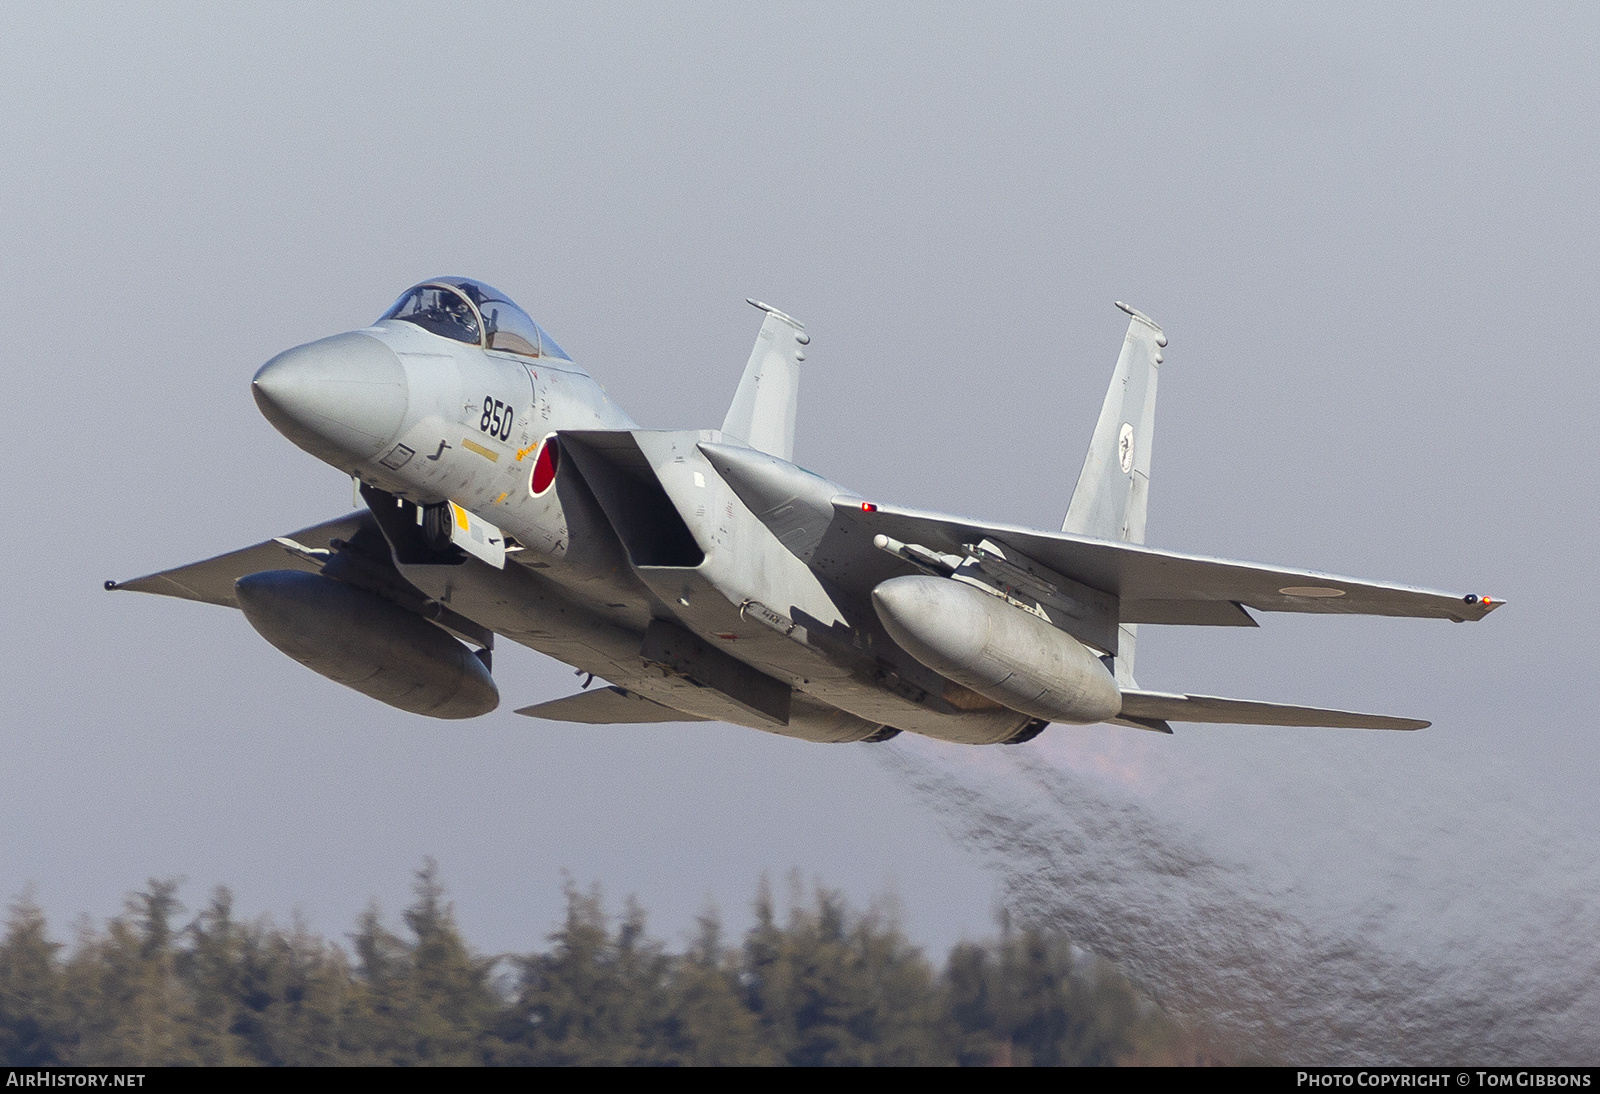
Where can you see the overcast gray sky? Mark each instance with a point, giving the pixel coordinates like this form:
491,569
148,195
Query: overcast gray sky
1369,232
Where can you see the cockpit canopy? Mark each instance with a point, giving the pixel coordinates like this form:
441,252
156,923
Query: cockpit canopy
477,314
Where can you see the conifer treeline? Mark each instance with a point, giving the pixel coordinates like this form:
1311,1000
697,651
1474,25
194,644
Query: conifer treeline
826,985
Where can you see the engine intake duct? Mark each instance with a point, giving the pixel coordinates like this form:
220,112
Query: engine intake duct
622,481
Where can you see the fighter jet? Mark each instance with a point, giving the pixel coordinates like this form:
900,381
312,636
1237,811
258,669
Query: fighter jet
703,575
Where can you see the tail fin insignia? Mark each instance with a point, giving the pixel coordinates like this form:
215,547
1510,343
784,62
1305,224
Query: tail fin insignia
1113,488
1114,485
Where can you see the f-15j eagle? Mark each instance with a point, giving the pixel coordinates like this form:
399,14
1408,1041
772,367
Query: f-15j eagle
703,573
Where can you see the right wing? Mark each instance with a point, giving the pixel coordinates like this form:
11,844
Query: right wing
211,581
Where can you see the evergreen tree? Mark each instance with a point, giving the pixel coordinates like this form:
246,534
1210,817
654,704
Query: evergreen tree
573,1005
971,1021
453,1001
834,988
763,977
1035,999
709,1024
381,1022
430,1001
828,986
123,985
297,1001
34,1027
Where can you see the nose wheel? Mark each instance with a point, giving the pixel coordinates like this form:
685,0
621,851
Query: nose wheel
437,523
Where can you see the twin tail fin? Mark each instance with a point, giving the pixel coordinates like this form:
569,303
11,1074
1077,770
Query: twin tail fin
1113,491
768,398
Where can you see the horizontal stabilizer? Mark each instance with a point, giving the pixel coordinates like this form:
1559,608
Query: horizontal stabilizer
211,581
606,707
1161,706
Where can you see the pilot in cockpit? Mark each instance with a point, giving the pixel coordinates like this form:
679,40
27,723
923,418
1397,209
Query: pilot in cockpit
458,313
451,308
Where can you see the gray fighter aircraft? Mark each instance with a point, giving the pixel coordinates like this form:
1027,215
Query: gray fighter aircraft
703,573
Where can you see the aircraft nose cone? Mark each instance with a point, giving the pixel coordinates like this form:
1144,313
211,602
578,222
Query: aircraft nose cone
342,399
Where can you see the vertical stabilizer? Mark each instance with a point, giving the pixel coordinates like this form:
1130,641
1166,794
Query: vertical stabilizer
764,408
1114,486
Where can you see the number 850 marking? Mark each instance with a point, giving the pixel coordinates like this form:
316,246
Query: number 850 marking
497,418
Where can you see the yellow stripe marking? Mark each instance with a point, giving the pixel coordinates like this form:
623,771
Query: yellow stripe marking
521,452
460,515
473,446
503,495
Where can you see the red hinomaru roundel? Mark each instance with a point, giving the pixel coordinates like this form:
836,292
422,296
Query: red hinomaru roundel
544,466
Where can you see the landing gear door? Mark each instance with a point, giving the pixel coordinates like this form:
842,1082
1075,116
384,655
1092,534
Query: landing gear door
477,536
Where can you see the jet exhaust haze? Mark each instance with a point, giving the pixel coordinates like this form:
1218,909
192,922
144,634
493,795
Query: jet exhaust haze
1336,958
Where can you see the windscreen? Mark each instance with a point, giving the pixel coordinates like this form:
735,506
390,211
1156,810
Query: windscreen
438,309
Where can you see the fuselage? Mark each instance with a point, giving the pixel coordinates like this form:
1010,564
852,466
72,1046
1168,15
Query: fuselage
625,552
703,573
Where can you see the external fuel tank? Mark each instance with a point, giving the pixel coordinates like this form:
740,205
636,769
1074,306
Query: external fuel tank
997,649
362,641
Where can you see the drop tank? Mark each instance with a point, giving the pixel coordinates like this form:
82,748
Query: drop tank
997,650
358,639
